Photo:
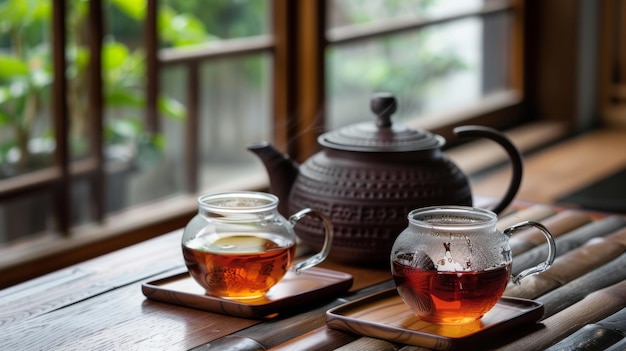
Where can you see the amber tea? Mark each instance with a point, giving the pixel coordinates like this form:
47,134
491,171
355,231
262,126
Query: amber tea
238,266
447,296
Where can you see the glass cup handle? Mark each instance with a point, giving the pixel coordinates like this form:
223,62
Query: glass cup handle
551,249
328,229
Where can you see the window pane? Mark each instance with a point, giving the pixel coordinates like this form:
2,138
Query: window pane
433,70
144,166
130,149
235,112
350,12
231,92
26,136
81,125
161,171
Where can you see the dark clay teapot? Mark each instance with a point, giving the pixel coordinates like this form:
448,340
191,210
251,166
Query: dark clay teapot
369,176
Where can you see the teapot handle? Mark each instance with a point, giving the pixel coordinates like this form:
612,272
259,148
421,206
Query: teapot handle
512,151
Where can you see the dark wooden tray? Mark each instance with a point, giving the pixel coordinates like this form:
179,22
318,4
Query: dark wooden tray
385,316
313,284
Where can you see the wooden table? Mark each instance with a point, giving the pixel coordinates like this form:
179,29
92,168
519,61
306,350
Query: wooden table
98,304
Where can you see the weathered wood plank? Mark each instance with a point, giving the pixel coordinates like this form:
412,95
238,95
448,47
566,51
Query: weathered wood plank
531,213
599,336
567,242
284,329
571,265
91,278
559,224
120,318
596,306
574,291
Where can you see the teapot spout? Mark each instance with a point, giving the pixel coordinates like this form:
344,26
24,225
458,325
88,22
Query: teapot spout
281,169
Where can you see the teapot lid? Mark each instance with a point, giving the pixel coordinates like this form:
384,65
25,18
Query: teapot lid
381,136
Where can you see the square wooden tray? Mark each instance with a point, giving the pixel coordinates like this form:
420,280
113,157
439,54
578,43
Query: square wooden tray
385,316
310,285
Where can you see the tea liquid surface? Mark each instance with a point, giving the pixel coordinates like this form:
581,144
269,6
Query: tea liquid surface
238,265
450,297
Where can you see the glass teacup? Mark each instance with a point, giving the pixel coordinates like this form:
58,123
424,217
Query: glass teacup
451,264
238,246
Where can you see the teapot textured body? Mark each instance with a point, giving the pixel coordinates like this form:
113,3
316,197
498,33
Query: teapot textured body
368,176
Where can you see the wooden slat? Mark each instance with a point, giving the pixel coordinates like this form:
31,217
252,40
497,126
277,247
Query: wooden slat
192,128
574,291
567,242
214,50
93,278
151,44
309,322
310,90
367,343
596,306
620,38
30,182
96,109
60,113
601,335
320,339
532,213
558,225
571,265
284,82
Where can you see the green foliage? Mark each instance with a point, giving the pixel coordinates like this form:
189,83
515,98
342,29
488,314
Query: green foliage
135,9
23,15
181,29
12,66
225,18
172,107
26,72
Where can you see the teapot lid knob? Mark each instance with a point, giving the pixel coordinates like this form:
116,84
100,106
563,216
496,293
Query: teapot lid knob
381,136
383,105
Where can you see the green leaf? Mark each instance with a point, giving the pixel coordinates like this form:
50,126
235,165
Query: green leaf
124,98
12,66
5,94
42,11
172,108
4,119
16,15
159,141
13,14
113,55
181,30
122,68
125,128
135,9
188,30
